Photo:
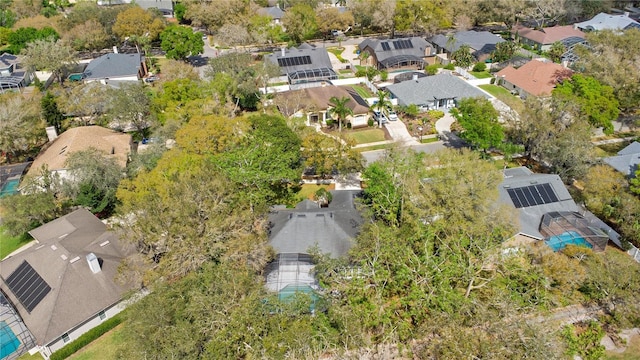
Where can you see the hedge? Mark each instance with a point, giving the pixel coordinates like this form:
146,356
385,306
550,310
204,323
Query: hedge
86,338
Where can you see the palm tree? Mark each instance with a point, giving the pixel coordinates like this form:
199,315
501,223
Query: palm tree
382,103
340,109
463,56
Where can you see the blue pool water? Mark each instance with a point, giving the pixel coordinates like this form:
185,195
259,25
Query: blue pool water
568,238
10,187
9,343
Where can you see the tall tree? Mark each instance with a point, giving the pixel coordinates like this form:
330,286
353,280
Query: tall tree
300,23
422,16
383,104
595,102
55,56
138,25
479,119
463,57
180,42
128,109
21,126
50,111
331,19
504,51
89,35
340,109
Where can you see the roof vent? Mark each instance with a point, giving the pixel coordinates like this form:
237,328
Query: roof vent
54,248
63,257
104,243
74,259
93,262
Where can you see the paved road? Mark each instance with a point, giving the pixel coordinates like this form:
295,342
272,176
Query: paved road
375,155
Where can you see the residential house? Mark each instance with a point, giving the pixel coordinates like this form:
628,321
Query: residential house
295,232
64,285
54,156
13,77
274,12
482,43
546,211
402,53
164,6
304,64
315,103
535,78
115,68
604,21
627,161
441,91
543,39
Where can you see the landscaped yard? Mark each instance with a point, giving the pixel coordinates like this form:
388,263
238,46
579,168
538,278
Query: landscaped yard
481,74
338,53
505,96
308,190
10,243
366,136
104,347
362,91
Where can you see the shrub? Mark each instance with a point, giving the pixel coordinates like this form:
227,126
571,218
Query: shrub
432,69
330,122
349,125
384,75
86,338
479,67
492,81
435,114
450,66
370,122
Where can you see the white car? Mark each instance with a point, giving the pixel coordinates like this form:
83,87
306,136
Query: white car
392,115
380,117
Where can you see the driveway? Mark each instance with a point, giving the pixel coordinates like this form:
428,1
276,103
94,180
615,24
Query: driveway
398,131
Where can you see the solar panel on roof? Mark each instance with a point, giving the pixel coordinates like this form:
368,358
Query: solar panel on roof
294,61
27,286
532,195
385,46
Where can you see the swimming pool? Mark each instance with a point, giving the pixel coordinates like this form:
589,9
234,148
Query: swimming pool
10,187
9,343
558,242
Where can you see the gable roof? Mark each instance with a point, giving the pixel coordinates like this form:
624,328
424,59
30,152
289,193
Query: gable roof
604,21
332,229
440,86
306,57
536,77
273,12
111,143
482,42
531,216
113,66
7,60
627,161
76,293
549,35
318,98
385,50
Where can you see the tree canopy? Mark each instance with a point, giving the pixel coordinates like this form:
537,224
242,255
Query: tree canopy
479,119
180,42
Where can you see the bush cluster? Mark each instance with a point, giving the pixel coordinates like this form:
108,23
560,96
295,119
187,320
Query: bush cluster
86,338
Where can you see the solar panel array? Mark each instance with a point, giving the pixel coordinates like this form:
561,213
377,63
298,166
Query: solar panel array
385,46
28,286
403,44
295,61
532,195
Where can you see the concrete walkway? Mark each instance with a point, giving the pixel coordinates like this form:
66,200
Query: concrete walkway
398,131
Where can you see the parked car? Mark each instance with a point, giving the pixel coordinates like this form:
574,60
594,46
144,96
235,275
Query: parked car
151,79
392,115
379,117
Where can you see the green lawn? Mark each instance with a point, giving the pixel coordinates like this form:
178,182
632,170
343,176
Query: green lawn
505,96
481,74
338,53
429,140
308,190
362,91
366,136
375,147
10,243
104,347
35,356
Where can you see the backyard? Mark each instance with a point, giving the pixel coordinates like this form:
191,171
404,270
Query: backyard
481,74
363,91
505,96
9,244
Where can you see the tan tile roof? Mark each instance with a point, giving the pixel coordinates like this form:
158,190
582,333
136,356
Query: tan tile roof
83,138
535,77
548,35
317,98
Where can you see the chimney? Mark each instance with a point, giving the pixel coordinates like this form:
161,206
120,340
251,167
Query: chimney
93,262
52,134
414,76
282,50
115,49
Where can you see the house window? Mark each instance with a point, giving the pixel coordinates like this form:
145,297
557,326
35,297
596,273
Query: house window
65,338
102,315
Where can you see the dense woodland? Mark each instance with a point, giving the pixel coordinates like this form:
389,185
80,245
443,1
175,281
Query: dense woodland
428,274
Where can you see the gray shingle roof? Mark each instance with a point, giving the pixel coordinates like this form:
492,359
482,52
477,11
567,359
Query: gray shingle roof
319,58
440,86
273,12
77,294
332,229
385,49
530,217
627,161
113,66
604,21
482,42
